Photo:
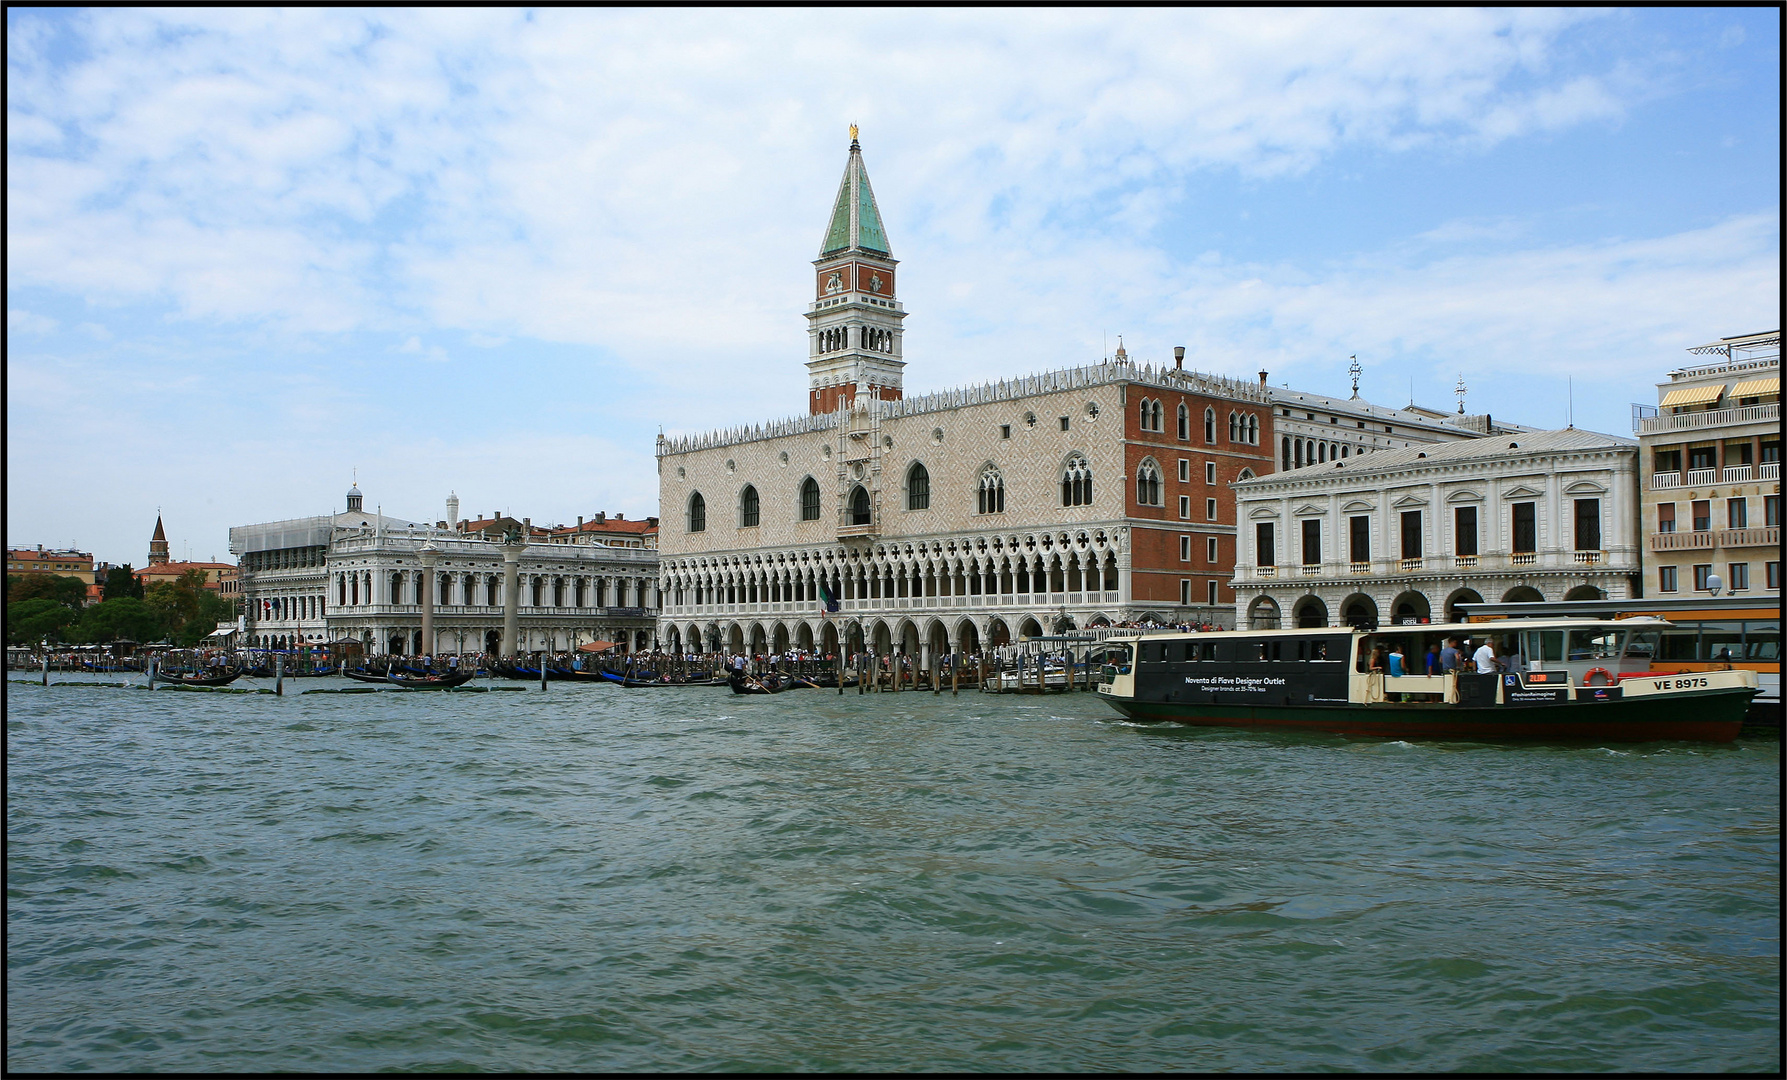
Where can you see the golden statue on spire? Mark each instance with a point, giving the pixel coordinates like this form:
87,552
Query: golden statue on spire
852,132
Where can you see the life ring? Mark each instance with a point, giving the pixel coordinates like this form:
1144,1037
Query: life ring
1589,679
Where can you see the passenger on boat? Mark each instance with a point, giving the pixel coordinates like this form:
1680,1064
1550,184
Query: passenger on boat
1485,657
1433,660
1449,655
1396,658
1380,659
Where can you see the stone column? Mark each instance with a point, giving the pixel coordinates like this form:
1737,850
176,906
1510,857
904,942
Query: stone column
428,556
511,595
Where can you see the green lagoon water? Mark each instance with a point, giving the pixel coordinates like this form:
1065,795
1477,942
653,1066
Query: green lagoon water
601,879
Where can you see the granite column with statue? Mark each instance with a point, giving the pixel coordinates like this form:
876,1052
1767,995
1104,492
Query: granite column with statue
511,595
428,557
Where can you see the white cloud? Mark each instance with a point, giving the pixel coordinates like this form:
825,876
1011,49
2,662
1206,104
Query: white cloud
26,322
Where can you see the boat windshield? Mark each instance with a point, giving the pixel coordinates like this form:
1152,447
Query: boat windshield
1599,643
1642,644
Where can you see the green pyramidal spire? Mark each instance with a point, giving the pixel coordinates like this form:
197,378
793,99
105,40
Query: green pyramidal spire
855,222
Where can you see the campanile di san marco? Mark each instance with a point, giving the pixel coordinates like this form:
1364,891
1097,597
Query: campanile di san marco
854,319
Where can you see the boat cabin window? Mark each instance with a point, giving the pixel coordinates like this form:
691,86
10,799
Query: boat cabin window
1545,645
1642,644
1596,644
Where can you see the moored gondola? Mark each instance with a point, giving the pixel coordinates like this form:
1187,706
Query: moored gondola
749,684
441,681
200,680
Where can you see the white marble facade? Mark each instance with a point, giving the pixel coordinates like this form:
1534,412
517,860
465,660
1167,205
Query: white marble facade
1407,534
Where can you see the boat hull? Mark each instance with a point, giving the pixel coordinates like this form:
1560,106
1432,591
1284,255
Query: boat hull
1715,716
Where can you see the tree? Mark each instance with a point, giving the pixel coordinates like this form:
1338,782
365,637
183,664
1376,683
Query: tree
30,621
67,591
125,617
121,582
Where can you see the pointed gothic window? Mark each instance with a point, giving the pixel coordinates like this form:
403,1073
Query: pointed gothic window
992,491
697,513
918,488
749,508
1234,431
1147,420
1210,426
809,499
1184,423
859,506
1076,482
1159,416
1147,484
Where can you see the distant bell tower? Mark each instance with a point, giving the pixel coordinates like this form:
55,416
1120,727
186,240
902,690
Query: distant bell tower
158,544
854,320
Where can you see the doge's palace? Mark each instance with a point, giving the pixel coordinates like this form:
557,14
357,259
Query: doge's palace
967,517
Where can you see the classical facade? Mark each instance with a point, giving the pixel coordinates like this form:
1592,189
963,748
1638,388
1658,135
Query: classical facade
1712,454
1080,497
1313,429
409,587
1408,534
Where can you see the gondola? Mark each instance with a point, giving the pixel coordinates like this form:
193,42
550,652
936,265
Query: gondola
745,684
442,681
365,676
201,680
634,683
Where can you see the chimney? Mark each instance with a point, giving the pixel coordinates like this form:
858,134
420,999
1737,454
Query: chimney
528,524
1262,378
620,517
601,516
1178,358
580,521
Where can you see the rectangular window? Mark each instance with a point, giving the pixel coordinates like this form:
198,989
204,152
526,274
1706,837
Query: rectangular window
1064,423
1209,509
1185,549
1774,574
1526,528
1210,592
1737,576
1005,431
1666,579
1185,470
1464,530
1588,524
1265,550
1703,457
1185,507
1185,592
1210,473
1312,541
1411,534
1666,517
1703,576
1210,549
1667,460
1771,511
1358,534
1703,515
1737,514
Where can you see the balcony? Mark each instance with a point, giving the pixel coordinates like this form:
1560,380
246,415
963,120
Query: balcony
1358,568
1768,470
1524,558
1588,558
1769,536
1665,480
858,530
1409,565
1702,477
1680,541
1750,414
1265,571
1465,562
1735,474
1312,569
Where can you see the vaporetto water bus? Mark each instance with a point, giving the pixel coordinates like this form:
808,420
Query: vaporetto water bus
1564,679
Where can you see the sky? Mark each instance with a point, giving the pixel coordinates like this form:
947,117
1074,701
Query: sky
254,256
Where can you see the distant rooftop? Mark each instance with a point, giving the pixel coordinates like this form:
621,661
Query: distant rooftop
1522,444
